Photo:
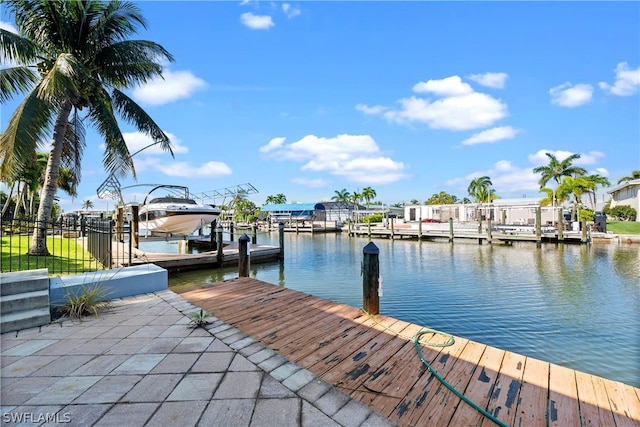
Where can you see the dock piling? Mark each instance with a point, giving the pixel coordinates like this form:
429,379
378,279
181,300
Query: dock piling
219,248
244,255
370,279
281,239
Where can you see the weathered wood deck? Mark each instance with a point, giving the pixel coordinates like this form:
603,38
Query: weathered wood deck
347,348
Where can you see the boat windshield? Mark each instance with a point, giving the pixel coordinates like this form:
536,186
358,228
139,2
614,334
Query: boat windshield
173,200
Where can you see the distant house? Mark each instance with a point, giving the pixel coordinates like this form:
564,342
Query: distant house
294,212
626,194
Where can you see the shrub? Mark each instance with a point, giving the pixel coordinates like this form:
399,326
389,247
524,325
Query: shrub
85,300
586,213
623,213
377,217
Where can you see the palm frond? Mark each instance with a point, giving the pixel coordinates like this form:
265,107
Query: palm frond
132,62
29,127
60,82
133,113
15,80
117,159
17,49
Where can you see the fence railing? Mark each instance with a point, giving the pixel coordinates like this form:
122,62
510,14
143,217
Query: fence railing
75,245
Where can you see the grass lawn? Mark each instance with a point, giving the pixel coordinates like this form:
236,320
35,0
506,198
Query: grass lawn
68,256
623,227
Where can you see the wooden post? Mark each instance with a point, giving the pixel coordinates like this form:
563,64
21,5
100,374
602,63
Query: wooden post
254,236
560,225
369,228
450,230
134,225
370,279
231,231
420,225
489,229
504,216
391,221
219,249
479,226
538,226
243,255
583,224
119,223
212,234
281,239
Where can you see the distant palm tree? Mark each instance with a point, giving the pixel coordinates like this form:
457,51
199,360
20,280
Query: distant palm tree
368,194
557,169
414,202
480,189
634,175
278,199
593,181
441,198
341,195
87,204
575,187
84,61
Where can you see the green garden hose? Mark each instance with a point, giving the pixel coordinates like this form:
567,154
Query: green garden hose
450,341
416,340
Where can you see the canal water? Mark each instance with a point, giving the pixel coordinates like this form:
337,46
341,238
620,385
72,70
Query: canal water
574,305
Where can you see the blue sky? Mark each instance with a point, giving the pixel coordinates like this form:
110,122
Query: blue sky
410,98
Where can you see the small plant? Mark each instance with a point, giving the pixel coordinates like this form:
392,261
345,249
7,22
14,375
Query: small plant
88,299
199,318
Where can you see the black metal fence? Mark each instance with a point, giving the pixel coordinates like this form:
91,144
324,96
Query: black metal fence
75,245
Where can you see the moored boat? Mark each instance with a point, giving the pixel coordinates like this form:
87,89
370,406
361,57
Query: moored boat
175,214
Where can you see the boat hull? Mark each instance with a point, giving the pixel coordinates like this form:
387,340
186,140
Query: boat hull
176,220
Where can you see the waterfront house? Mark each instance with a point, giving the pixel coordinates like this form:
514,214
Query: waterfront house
626,194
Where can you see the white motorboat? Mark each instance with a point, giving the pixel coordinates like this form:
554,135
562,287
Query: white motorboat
175,214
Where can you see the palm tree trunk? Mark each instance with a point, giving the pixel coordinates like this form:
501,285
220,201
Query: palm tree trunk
39,241
5,208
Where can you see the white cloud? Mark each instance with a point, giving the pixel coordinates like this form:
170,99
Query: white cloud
7,26
274,144
568,95
174,86
376,109
508,180
450,86
627,81
471,111
492,135
290,11
256,22
492,80
357,158
540,157
589,158
601,171
459,107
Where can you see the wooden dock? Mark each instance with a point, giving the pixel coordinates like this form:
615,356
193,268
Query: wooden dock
375,361
187,261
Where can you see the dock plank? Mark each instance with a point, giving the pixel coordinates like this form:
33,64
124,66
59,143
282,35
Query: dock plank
374,360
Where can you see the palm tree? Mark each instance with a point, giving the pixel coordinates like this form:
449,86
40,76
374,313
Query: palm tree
341,195
87,204
278,199
441,198
414,202
634,175
368,194
593,181
575,187
480,189
557,169
84,61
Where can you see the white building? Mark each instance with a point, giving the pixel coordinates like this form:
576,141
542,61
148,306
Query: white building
626,194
